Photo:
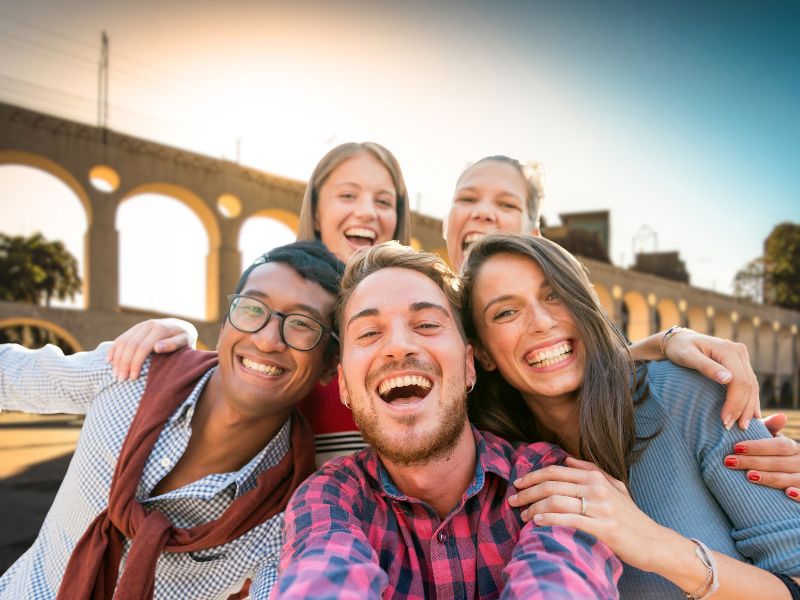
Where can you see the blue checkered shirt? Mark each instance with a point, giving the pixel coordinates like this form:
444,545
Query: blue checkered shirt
45,381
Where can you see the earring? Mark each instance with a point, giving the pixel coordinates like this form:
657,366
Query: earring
347,404
470,387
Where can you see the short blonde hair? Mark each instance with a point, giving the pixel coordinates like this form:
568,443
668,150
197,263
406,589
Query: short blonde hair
533,174
323,170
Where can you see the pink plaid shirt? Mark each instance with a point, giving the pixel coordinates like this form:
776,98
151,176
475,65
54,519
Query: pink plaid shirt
351,533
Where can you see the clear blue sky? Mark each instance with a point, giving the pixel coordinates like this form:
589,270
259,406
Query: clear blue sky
680,116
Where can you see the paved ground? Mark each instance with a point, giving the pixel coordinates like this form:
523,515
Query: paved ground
34,454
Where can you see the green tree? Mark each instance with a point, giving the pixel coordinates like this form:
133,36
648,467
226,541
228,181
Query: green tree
35,270
775,277
782,266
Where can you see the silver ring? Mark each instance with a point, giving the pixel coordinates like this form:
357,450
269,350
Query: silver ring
577,491
584,505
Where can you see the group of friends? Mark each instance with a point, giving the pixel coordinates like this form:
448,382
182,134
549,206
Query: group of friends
490,431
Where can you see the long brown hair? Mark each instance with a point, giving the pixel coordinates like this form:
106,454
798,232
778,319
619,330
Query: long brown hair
335,157
605,399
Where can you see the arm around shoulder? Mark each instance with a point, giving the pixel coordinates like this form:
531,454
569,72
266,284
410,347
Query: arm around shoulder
45,381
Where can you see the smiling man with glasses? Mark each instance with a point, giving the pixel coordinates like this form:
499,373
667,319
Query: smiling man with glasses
183,474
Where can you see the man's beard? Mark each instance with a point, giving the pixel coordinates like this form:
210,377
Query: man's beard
415,449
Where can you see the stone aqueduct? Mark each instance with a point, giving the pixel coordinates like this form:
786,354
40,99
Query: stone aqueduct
224,195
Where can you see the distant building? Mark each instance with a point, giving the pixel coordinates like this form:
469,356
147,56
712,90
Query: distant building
584,234
664,264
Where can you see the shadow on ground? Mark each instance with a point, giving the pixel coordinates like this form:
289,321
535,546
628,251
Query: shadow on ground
26,498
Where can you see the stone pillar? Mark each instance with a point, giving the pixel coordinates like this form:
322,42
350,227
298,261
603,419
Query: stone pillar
230,268
101,248
776,385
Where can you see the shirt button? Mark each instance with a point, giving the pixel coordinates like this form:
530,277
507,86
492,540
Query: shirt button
166,463
442,537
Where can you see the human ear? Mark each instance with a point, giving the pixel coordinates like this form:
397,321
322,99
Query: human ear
344,396
483,357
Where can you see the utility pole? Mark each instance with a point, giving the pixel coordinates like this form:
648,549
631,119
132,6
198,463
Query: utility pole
102,87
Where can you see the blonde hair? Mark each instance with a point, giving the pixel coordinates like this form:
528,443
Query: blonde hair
334,158
533,174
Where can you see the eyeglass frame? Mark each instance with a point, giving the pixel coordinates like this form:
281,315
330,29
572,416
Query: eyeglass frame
325,328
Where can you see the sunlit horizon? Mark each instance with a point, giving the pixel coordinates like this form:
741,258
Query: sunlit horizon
682,118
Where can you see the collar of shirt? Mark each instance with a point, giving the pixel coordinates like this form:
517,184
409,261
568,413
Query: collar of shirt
240,481
491,458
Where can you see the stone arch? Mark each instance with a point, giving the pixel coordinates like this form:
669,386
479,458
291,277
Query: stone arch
44,324
697,319
207,218
746,334
723,325
288,218
638,321
248,250
766,349
605,299
668,313
37,161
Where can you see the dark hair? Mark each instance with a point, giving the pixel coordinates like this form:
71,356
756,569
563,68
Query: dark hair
605,399
392,254
312,261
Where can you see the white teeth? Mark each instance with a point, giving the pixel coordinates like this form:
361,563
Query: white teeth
550,356
407,380
472,237
261,368
360,232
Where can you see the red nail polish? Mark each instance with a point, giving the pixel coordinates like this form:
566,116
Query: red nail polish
740,449
731,461
794,493
754,476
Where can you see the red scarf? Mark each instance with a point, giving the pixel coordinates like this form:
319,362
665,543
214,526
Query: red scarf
93,568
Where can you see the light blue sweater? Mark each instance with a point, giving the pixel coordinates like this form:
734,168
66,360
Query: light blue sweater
681,482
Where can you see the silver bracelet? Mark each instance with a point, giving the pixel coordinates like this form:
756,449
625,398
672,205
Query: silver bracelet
711,584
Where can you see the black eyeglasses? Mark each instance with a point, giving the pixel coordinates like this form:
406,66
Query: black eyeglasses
298,331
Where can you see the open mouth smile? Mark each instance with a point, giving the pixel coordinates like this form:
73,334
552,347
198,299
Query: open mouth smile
470,239
262,368
405,389
552,355
360,236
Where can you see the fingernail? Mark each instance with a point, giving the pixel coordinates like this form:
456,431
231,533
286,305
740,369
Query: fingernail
517,482
538,518
524,515
512,498
723,376
754,476
794,493
746,424
728,422
731,461
740,449
159,346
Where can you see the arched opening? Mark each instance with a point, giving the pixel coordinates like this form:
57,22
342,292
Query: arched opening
638,316
605,299
766,350
697,319
668,314
723,326
168,252
265,230
746,334
35,333
44,200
